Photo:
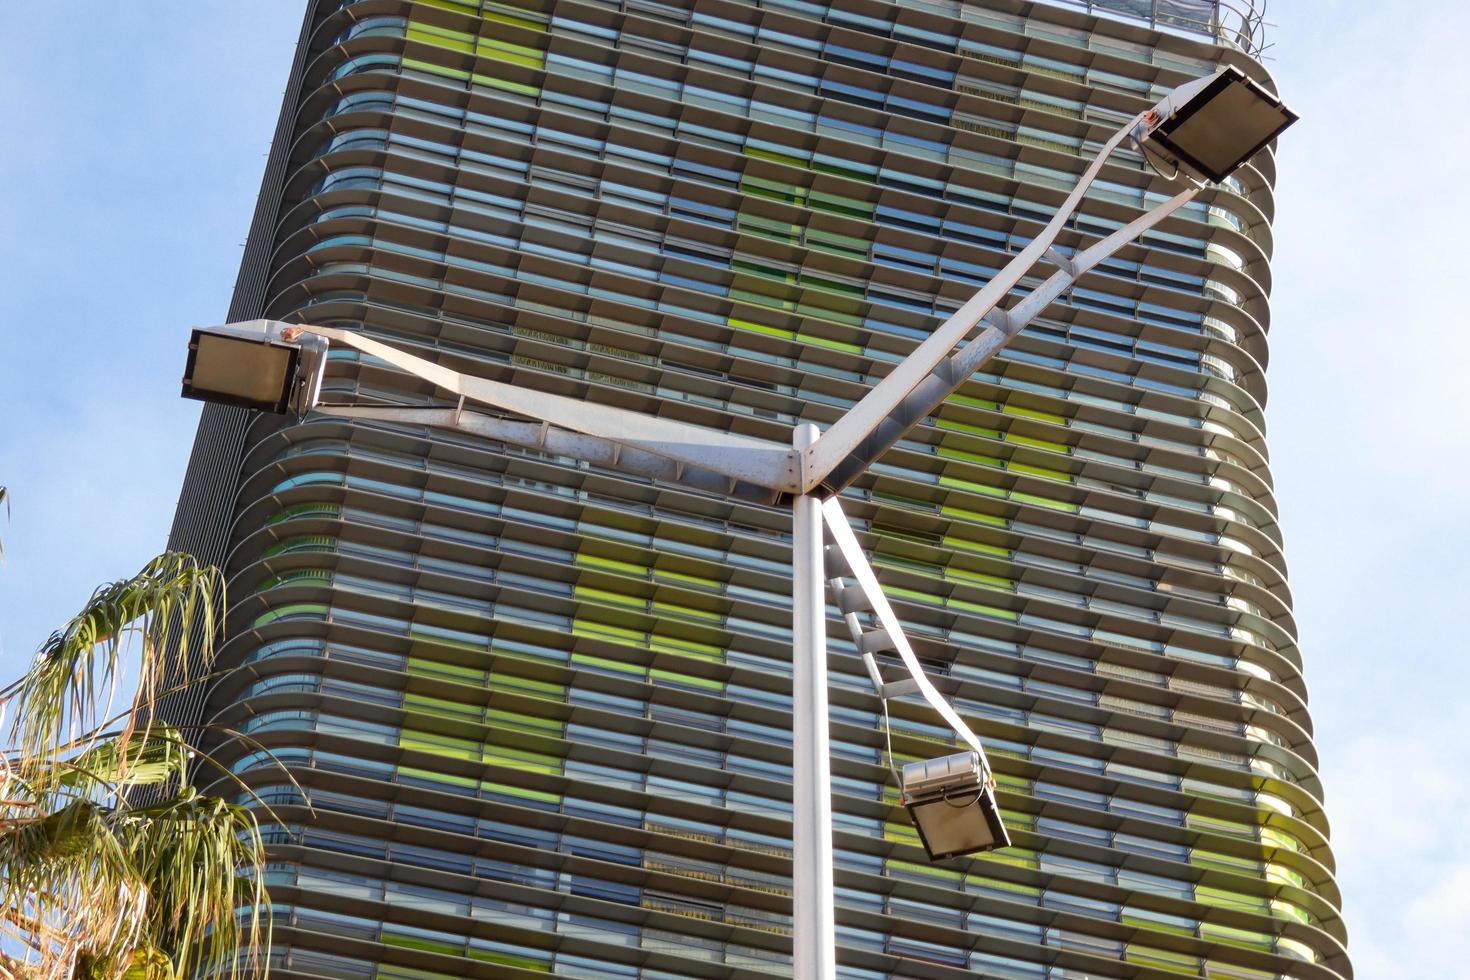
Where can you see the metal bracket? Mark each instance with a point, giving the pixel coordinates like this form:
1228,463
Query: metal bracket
1055,256
999,319
888,690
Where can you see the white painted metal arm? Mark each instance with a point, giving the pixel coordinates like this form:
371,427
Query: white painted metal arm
756,461
944,380
867,580
543,437
849,431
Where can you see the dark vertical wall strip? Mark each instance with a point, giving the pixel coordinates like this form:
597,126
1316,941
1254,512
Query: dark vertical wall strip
203,517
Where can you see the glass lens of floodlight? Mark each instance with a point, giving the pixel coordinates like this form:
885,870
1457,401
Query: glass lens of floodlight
953,826
240,371
1229,128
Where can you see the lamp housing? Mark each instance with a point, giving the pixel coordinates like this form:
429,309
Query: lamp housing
952,803
251,364
1209,127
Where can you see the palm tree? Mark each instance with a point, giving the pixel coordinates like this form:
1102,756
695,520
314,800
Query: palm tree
111,864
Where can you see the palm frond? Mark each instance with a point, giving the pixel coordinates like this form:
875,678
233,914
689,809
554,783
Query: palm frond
73,680
67,882
190,849
93,887
150,759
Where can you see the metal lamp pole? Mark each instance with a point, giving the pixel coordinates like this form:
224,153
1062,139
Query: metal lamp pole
810,473
813,912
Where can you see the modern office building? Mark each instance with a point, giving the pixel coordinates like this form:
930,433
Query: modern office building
542,710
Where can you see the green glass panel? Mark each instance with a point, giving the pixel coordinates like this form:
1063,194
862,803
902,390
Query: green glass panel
441,707
1046,502
947,453
520,722
434,668
521,791
1032,413
760,328
438,777
978,430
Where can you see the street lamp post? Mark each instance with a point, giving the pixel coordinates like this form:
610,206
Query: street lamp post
1203,130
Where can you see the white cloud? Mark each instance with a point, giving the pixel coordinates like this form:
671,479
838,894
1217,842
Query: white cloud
1371,450
1398,810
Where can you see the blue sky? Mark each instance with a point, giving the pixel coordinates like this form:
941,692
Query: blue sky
134,153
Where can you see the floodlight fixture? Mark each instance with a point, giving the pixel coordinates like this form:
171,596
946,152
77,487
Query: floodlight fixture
1209,127
259,364
952,803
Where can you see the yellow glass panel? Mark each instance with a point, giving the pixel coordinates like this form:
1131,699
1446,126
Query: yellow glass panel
438,777
521,791
965,575
454,748
977,402
597,561
787,158
506,85
675,609
523,722
528,21
683,577
434,69
973,515
687,648
419,666
929,870
1058,447
950,541
948,453
828,342
1166,959
516,54
521,759
1015,467
605,664
678,678
958,484
616,598
978,430
441,706
984,881
500,681
1016,857
760,328
1031,413
901,832
442,37
1046,502
984,610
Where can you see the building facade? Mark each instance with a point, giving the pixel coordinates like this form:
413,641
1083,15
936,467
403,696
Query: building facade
541,711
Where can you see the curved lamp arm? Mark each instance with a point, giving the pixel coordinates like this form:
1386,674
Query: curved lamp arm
755,461
849,432
1207,128
955,370
867,580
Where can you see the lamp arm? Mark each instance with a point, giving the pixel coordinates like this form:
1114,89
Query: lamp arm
867,580
546,438
848,432
742,458
955,370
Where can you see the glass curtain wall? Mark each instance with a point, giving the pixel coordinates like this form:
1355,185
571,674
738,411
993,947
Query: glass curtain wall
540,711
